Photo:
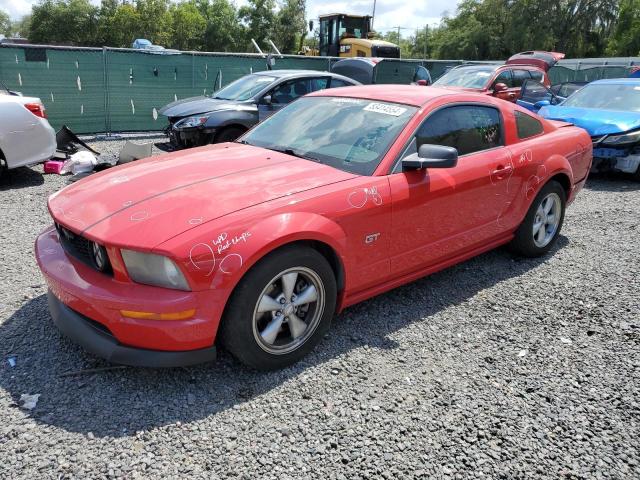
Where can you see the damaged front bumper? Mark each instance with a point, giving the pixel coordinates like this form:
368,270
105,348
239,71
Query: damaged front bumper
189,137
623,158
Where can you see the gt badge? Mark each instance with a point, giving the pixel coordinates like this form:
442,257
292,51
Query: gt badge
371,238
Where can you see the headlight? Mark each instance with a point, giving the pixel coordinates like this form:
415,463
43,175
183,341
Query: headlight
191,122
152,269
622,139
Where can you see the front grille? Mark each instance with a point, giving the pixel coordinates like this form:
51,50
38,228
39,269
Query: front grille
80,248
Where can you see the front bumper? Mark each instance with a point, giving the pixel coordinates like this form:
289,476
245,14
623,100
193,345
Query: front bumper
97,300
190,137
625,160
100,342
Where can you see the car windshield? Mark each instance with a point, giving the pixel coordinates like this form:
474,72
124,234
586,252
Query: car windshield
607,96
349,134
467,77
244,88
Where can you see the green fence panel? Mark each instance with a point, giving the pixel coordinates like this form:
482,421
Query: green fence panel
69,83
109,90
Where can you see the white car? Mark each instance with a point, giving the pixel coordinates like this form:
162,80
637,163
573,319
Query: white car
26,138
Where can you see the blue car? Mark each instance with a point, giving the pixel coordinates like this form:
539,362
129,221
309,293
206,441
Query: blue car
610,111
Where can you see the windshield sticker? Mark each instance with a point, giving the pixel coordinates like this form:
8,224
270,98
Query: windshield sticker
265,79
385,109
483,74
345,100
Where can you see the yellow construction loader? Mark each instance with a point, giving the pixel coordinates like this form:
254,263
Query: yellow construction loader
343,35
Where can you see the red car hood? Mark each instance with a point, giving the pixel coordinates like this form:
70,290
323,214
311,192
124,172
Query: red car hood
147,202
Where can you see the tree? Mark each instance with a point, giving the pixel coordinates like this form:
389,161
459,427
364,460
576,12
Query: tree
5,24
155,21
222,32
259,18
625,40
290,26
64,21
188,26
119,26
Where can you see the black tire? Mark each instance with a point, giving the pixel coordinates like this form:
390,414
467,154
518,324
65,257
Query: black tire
636,176
524,242
240,330
228,134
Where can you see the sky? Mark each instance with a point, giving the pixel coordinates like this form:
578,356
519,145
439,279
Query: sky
389,13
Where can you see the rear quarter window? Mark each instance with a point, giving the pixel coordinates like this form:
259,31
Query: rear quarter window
527,126
537,76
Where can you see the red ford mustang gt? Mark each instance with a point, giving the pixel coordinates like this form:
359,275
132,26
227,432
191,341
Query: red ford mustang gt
342,195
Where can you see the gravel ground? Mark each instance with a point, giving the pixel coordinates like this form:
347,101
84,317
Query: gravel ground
496,368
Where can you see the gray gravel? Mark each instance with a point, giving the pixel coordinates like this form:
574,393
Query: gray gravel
496,368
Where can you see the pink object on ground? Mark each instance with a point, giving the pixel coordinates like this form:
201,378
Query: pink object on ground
53,166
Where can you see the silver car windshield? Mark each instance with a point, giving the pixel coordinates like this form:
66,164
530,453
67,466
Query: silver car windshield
349,134
466,77
605,96
244,88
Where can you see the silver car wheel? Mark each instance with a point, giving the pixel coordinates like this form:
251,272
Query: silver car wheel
546,220
288,310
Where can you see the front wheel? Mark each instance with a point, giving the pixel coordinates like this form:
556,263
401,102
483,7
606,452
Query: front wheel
281,309
541,227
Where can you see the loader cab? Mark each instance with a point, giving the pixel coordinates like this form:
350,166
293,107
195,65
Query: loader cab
337,27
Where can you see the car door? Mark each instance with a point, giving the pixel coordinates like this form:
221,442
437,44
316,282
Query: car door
533,92
282,95
441,213
519,76
503,77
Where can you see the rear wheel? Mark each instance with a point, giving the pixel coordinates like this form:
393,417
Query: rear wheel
228,134
541,227
281,309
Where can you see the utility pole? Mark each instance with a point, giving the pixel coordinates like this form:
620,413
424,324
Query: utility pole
426,31
373,15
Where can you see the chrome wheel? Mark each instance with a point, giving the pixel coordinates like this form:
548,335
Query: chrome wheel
288,310
546,220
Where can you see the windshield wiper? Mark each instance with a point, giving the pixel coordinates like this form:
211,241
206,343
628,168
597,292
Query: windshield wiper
292,152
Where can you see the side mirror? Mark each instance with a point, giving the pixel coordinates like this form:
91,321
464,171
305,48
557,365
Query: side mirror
500,87
266,100
541,103
431,156
422,83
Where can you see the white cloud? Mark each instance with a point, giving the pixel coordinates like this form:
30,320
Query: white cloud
16,8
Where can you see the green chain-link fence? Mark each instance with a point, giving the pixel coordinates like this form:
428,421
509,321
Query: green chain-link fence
112,90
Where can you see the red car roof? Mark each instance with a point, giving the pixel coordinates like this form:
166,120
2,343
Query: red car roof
408,94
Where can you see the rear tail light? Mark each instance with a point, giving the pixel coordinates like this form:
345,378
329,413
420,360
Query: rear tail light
37,109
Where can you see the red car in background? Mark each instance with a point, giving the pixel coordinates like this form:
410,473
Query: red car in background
501,81
257,244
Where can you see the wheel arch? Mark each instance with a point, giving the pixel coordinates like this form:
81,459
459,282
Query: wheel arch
302,229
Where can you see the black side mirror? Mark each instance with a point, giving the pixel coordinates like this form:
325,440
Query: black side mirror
431,156
266,100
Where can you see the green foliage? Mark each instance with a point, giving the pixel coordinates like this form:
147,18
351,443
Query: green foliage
259,18
479,29
223,32
72,22
290,26
625,40
188,25
6,25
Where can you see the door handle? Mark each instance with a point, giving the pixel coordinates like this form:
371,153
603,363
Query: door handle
502,170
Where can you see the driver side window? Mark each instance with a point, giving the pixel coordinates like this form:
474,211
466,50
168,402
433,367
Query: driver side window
467,128
289,91
504,77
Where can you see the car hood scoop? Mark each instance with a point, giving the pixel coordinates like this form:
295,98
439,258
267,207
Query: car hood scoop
145,203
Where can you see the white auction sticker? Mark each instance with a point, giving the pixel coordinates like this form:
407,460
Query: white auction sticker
385,108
